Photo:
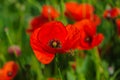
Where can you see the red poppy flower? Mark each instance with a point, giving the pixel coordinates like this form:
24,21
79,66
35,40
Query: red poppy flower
118,26
111,13
9,71
71,9
79,11
49,12
48,40
88,38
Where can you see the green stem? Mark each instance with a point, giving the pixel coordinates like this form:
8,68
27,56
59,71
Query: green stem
37,68
9,39
34,4
2,58
21,26
60,74
111,2
62,10
97,61
79,66
7,34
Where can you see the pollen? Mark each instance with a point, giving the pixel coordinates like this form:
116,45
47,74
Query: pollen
54,43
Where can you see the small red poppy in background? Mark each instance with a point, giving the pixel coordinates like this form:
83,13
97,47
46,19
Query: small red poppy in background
71,9
37,22
118,26
79,11
49,40
111,13
48,13
9,71
88,38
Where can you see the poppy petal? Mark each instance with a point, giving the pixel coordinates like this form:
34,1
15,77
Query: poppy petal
86,25
71,6
34,42
96,20
72,37
50,31
2,77
1,73
118,26
78,11
71,10
10,70
37,22
44,57
82,44
49,12
97,39
86,11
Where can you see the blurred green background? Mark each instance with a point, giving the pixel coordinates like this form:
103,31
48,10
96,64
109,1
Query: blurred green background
15,16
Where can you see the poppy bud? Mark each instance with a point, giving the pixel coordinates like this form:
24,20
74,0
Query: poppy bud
14,49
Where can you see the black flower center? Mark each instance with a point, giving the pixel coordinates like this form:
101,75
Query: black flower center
55,44
9,73
88,39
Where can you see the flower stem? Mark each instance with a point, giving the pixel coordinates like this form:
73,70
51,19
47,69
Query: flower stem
79,66
62,7
59,71
9,39
36,4
2,58
97,61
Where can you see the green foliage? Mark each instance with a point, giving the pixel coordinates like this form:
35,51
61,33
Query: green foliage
15,16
